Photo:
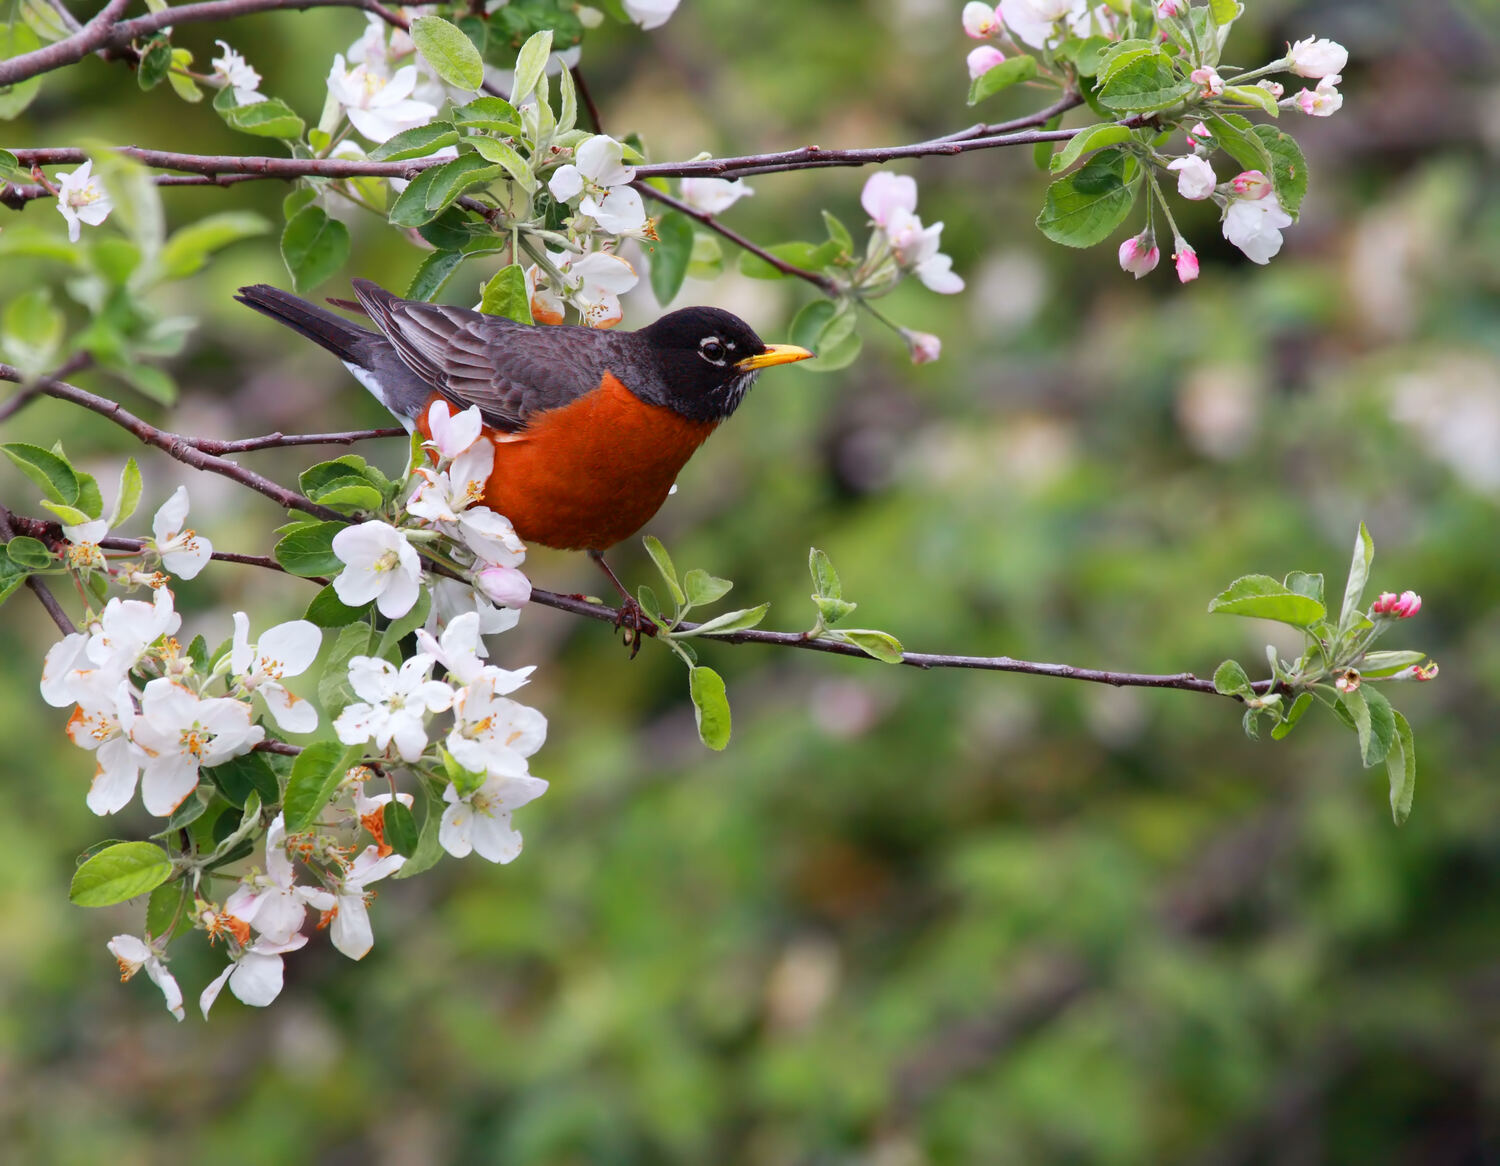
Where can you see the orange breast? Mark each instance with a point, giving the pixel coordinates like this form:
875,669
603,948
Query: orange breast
592,473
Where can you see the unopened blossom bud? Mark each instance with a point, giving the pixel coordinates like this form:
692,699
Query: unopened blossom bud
504,585
983,59
1402,606
1139,255
1316,58
1208,80
1199,135
980,20
1274,88
1425,671
1187,262
923,346
1324,101
1251,184
1195,177
1166,9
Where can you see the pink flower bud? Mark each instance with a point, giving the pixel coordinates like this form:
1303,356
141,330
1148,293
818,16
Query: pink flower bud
1384,603
923,346
1199,135
1404,606
1208,80
1425,671
983,59
1274,88
1316,58
1251,184
980,20
1139,255
504,585
1166,9
1324,101
1187,262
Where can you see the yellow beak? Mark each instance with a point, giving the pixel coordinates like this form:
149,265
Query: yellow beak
774,354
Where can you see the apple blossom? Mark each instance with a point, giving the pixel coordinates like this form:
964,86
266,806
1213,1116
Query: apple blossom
1251,184
650,14
379,564
980,20
254,974
452,433
1208,80
83,538
126,628
451,599
1324,101
132,954
82,199
480,821
288,649
272,903
179,732
234,72
593,283
379,108
350,915
394,704
1186,260
712,196
1195,177
370,811
886,194
924,347
1255,225
1167,9
182,552
101,724
1034,21
491,733
599,173
1404,606
983,59
1316,58
61,668
460,649
1139,254
506,586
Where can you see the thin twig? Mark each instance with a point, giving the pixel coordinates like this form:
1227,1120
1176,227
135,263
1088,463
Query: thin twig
283,440
588,99
38,588
94,35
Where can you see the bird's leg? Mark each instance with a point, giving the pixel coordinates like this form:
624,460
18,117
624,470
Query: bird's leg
635,621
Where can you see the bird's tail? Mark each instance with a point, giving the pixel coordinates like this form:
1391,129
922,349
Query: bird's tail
349,342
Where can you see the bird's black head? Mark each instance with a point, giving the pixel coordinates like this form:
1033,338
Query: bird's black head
707,359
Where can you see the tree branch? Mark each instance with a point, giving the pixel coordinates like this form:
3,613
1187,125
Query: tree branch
94,35
38,588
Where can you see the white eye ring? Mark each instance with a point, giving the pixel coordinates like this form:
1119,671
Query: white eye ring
712,349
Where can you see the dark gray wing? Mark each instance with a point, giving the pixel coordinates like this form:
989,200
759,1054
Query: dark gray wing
511,371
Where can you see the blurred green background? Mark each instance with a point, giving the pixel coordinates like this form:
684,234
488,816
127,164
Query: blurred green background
906,918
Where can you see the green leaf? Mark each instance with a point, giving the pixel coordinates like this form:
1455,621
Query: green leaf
505,295
316,773
731,621
833,610
1253,95
28,552
1225,12
1377,664
670,256
1305,584
128,496
449,52
1008,72
43,20
165,907
1293,715
184,86
314,246
1088,205
11,578
53,474
1401,767
1262,597
241,776
328,611
1288,167
188,249
120,872
825,578
16,39
650,604
435,271
319,478
307,550
838,233
531,64
334,691
450,180
1143,83
663,563
1230,680
70,515
465,781
155,61
400,828
417,142
882,645
1088,140
1236,137
703,588
811,256
1382,727
1359,575
1357,713
503,155
410,207
488,113
272,118
1120,54
429,851
33,330
349,494
710,706
398,629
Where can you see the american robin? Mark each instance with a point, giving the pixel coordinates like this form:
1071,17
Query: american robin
590,427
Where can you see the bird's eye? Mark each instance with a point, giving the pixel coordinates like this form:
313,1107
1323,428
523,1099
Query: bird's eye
712,350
